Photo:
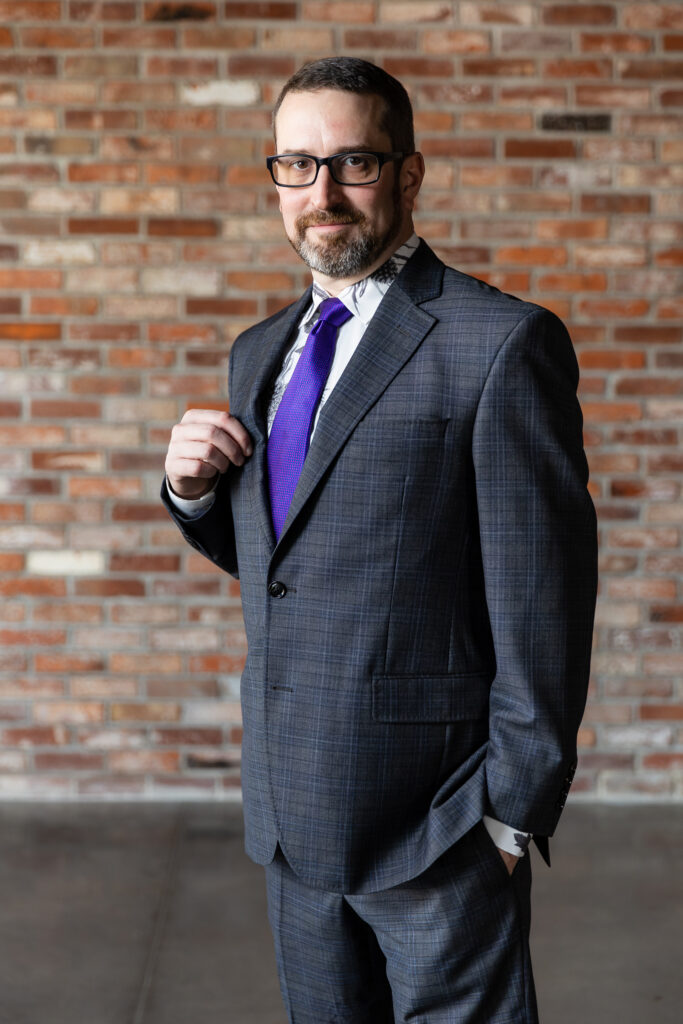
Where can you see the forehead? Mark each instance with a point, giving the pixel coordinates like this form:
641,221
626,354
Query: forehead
327,120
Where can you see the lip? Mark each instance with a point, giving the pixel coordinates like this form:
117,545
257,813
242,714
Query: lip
328,227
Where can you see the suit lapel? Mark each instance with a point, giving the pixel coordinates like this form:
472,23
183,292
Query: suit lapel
396,330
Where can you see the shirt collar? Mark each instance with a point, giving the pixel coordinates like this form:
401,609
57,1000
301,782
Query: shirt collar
363,297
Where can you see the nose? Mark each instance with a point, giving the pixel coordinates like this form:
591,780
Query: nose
325,190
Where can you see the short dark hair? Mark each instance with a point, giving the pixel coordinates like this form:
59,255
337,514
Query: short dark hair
350,74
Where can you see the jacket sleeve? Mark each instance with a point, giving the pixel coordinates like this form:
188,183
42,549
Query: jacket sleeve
539,551
213,532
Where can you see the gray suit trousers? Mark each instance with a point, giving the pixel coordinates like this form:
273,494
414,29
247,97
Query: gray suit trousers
451,945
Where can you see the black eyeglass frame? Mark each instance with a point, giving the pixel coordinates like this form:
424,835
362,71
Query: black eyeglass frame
326,161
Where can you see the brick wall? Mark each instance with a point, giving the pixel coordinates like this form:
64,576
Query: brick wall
140,235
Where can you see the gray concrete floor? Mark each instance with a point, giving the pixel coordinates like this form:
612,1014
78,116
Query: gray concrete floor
152,914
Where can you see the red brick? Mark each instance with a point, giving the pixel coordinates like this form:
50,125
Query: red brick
143,761
486,175
42,331
30,10
182,67
33,736
654,69
648,335
31,587
662,712
507,67
614,42
380,39
257,9
261,66
62,306
663,762
671,98
566,67
608,203
61,38
215,37
610,309
419,67
668,463
578,14
182,227
186,174
171,10
154,711
641,537
30,637
458,147
73,761
221,307
612,96
648,386
56,409
29,66
545,256
352,11
139,38
573,282
534,148
103,226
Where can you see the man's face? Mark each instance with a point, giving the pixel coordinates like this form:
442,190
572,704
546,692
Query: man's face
338,230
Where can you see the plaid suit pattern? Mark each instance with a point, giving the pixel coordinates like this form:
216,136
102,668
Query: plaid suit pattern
428,659
448,947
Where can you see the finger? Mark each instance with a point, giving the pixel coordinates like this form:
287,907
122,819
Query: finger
226,442
205,451
222,421
188,469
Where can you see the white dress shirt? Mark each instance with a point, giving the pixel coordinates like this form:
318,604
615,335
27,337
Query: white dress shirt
362,300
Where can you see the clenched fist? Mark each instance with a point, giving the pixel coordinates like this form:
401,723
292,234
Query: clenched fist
204,444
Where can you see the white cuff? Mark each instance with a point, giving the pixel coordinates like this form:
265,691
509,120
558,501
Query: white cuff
192,507
507,838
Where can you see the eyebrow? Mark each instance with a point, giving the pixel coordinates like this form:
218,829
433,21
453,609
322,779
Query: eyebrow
361,148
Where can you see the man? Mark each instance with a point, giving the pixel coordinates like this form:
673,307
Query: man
401,486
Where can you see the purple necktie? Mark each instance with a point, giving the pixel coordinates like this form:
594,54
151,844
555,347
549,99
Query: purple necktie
291,430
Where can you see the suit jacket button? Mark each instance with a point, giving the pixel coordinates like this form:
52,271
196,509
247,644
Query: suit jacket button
277,588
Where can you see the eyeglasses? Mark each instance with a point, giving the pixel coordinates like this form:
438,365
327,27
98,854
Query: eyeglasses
298,170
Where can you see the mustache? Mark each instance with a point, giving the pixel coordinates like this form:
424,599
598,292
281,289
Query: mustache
335,216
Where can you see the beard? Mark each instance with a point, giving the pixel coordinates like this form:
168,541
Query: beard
338,257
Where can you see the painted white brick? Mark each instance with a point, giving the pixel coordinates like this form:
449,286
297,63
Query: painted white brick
12,537
181,281
37,253
31,383
634,736
211,712
58,200
66,563
185,639
229,93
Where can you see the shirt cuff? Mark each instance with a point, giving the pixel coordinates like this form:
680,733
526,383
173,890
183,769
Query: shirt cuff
192,508
507,838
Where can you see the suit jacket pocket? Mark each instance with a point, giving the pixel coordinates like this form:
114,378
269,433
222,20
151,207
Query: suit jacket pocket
438,698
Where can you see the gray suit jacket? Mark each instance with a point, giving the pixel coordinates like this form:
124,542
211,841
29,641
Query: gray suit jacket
419,638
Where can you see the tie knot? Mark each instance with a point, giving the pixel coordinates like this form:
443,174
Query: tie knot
334,311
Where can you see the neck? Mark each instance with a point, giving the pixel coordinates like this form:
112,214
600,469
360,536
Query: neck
335,285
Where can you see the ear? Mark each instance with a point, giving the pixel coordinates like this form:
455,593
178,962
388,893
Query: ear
410,179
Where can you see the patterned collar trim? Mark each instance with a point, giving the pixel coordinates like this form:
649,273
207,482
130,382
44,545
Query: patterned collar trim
363,297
